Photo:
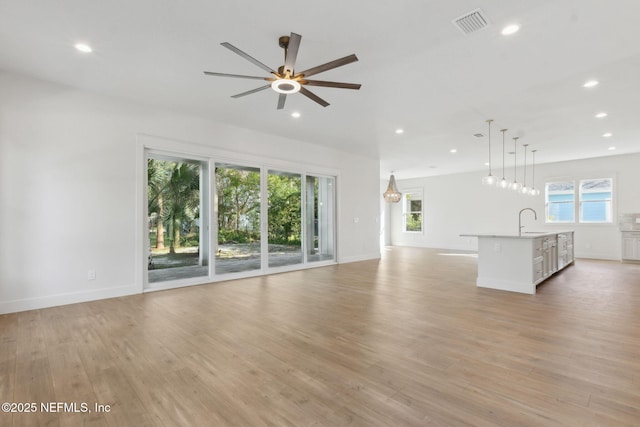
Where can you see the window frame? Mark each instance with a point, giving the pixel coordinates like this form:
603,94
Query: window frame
581,201
578,199
406,212
547,203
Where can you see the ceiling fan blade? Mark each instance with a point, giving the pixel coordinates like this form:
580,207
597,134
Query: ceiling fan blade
281,99
292,53
331,84
239,76
329,66
248,57
249,92
313,97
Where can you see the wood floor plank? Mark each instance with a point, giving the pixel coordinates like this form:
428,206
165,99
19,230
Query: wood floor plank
406,340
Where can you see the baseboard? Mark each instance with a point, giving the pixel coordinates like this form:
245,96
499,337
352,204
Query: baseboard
601,256
365,257
66,298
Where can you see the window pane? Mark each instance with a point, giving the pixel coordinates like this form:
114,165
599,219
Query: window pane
595,200
561,212
414,222
238,191
320,193
560,201
285,218
412,215
177,244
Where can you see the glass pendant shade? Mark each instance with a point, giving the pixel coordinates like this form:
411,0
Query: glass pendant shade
515,185
489,179
533,191
503,183
524,189
392,195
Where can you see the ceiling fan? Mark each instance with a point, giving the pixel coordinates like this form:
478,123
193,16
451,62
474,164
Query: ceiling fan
286,81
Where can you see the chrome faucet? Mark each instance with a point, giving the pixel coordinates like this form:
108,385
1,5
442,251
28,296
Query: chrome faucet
520,226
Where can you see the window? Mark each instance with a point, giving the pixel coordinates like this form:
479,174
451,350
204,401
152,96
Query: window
560,201
412,211
595,200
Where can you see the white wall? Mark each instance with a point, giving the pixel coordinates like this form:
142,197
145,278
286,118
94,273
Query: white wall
459,204
68,189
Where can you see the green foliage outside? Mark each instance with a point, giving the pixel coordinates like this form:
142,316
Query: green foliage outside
173,192
285,209
238,192
414,222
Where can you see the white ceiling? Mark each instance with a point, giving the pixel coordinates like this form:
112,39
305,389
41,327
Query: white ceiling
418,71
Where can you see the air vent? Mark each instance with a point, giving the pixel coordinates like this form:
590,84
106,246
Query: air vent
471,22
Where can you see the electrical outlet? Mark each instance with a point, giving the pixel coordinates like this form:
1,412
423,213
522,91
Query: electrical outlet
497,247
91,275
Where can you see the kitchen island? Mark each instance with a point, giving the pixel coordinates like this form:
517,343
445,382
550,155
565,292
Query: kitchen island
518,263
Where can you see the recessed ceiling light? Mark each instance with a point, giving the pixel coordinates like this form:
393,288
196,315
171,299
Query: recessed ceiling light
612,148
510,29
591,83
295,114
607,135
601,115
486,164
453,150
84,48
399,131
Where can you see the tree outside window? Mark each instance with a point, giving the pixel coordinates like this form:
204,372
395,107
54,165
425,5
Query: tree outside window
412,211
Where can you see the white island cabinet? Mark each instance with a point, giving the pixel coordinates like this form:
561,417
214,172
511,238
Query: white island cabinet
631,245
519,263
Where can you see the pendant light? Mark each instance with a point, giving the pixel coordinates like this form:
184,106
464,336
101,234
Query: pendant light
534,191
489,179
515,185
503,183
392,195
525,189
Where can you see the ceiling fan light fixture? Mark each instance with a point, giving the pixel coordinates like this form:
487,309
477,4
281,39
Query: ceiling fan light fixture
285,86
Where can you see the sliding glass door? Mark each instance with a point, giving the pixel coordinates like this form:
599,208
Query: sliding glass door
262,219
177,194
238,213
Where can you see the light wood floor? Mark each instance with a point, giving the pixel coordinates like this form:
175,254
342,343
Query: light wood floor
408,340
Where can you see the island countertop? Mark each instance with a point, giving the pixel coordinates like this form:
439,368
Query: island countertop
525,234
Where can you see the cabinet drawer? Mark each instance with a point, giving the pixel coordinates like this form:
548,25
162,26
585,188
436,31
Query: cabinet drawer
537,272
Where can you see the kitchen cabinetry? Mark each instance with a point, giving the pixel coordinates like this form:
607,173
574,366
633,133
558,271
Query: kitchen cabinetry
520,263
631,245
